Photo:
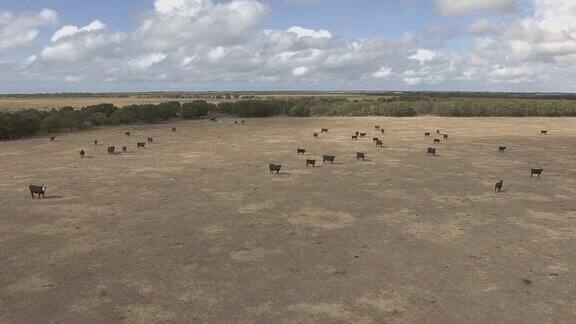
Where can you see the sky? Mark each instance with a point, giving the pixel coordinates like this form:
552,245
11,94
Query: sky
227,45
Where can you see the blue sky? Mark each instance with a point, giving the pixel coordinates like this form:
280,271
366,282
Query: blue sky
132,45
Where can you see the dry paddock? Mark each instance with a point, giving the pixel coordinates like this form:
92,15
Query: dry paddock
194,227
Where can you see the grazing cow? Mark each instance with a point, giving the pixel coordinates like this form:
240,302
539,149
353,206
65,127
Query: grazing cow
213,120
445,136
95,143
544,132
427,134
150,140
498,186
437,131
140,145
375,139
376,127
39,190
111,149
316,135
357,133
431,151
300,151
436,140
354,137
537,172
360,156
275,168
501,148
125,149
127,133
82,153
173,129
52,138
379,143
325,130
328,158
383,131
362,134
311,162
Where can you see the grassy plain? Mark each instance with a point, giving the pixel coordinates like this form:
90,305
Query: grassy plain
194,228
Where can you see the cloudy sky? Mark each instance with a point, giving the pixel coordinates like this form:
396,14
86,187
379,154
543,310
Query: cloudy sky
142,45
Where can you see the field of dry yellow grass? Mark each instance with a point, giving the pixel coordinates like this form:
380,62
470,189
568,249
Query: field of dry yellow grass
195,229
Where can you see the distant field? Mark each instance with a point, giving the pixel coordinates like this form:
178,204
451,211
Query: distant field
195,229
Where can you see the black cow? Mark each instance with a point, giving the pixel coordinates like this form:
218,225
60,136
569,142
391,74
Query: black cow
173,129
431,151
150,140
436,140
445,136
379,143
125,149
360,156
375,139
95,143
235,122
427,134
127,133
501,148
243,122
311,162
376,127
325,130
544,132
354,137
315,135
328,158
52,138
362,134
111,149
275,168
39,190
357,133
213,120
437,131
498,186
537,172
140,145
82,153
300,151
383,131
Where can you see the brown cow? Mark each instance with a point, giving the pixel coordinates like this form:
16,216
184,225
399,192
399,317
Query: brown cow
111,149
275,168
427,134
431,151
311,162
544,132
328,158
140,145
315,135
300,151
501,148
436,140
360,156
537,172
445,136
39,190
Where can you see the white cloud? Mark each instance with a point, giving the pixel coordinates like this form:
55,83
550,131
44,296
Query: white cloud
17,30
466,7
147,61
423,55
383,73
300,71
304,32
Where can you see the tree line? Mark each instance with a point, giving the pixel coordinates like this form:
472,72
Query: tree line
14,125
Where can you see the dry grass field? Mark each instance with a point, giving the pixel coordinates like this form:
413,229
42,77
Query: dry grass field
195,229
9,104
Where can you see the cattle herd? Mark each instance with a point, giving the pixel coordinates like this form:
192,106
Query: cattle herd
431,151
40,190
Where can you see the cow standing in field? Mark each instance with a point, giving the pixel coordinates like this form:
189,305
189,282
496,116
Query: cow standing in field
436,140
376,127
111,149
537,172
360,156
325,130
301,151
382,131
375,139
357,133
275,168
501,148
173,129
82,153
52,138
315,135
125,149
328,158
127,133
498,186
427,134
213,120
96,143
431,151
437,131
38,190
379,143
362,134
140,145
150,140
445,136
311,162
544,132
354,137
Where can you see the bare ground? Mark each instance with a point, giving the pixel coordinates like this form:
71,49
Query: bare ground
194,228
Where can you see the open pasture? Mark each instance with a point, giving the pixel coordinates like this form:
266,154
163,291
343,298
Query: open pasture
194,227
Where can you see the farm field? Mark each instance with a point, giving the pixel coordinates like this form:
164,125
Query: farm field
195,229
